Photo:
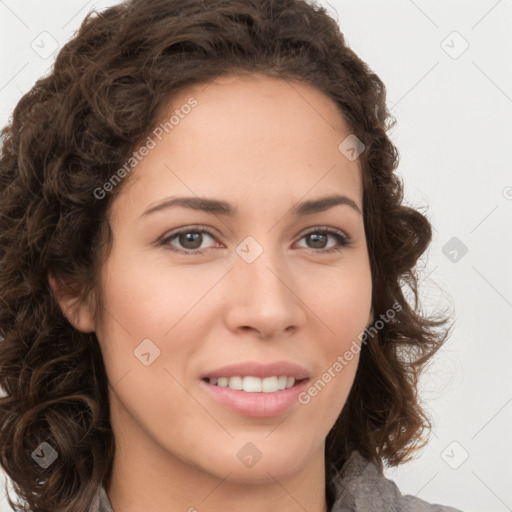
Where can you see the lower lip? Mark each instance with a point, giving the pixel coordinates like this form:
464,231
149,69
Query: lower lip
257,405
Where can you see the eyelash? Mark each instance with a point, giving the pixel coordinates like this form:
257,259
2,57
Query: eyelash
343,240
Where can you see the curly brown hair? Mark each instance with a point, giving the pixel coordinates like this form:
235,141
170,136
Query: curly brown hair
77,126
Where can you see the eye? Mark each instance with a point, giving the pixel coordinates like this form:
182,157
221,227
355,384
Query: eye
319,238
191,238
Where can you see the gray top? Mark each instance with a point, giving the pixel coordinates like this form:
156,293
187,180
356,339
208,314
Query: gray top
358,487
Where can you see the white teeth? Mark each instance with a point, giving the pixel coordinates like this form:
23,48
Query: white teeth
282,381
236,383
269,385
252,384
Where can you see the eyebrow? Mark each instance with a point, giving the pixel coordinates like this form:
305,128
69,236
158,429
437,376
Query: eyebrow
220,207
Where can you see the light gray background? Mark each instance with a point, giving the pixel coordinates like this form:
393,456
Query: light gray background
453,110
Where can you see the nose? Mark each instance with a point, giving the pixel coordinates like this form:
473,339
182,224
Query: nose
263,297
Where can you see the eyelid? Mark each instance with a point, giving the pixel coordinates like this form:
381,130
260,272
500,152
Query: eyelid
327,229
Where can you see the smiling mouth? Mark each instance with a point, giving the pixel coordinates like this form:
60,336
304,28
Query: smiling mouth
252,384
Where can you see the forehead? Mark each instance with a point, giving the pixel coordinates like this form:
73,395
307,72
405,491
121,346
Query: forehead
246,135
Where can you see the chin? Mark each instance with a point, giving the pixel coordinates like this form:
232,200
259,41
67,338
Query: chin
252,465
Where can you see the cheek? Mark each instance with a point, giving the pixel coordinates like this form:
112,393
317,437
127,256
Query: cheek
146,331
151,315
345,306
149,299
344,310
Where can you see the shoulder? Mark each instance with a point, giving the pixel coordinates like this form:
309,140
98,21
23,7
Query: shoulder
360,487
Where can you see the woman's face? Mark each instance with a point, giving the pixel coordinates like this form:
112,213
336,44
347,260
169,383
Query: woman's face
263,287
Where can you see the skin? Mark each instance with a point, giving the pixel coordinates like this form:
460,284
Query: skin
263,145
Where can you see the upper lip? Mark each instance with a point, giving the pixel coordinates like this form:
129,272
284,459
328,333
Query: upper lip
255,369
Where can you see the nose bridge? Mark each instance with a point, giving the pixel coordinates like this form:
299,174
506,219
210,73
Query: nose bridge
261,269
262,296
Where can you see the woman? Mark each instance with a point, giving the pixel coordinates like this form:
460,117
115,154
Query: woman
204,255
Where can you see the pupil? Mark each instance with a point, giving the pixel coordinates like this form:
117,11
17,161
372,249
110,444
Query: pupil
191,237
316,238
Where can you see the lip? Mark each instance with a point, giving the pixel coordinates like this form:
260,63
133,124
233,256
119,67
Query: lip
256,405
260,370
